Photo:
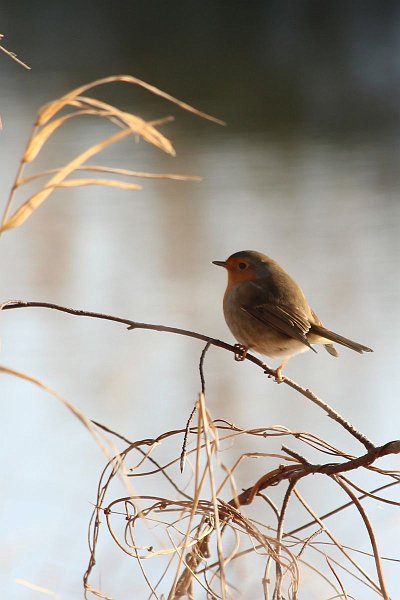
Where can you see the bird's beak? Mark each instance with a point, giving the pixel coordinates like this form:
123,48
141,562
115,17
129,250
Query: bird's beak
219,263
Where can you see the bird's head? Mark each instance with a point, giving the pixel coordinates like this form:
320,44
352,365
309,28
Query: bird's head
246,265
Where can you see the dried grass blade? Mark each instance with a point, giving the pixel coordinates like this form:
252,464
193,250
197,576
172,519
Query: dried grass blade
211,448
141,174
103,109
330,565
48,111
38,588
135,123
36,200
37,142
123,185
97,593
75,411
371,534
115,171
336,542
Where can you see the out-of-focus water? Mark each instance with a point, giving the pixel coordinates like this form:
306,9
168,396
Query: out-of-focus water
328,210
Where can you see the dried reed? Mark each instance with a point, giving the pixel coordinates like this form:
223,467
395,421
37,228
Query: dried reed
48,122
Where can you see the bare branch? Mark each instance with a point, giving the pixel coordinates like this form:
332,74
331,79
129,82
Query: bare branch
13,55
212,341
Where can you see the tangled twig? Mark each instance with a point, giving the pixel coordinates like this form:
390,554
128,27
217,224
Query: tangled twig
204,525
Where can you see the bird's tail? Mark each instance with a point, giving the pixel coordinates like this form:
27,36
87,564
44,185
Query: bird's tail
335,337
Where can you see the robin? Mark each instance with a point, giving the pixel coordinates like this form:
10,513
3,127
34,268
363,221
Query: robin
266,311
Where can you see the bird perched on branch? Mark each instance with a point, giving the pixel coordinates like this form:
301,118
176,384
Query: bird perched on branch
266,311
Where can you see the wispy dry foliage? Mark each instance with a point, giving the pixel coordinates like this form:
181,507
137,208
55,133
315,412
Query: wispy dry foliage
77,104
209,530
203,530
12,54
206,534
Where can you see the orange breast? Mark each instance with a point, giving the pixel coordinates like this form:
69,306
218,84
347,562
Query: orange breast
235,277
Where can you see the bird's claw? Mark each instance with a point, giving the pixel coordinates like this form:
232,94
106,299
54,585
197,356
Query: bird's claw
241,352
278,375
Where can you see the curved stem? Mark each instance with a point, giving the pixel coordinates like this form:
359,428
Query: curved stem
210,341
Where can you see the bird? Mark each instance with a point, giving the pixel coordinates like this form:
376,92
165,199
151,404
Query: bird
267,311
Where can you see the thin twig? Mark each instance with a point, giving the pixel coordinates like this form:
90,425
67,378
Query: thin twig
203,391
371,533
279,534
212,341
185,438
301,470
13,55
340,508
338,545
201,367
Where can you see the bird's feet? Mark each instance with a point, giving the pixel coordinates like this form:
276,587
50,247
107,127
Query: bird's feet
278,375
278,371
241,352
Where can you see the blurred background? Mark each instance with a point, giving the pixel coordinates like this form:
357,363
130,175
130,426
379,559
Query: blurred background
306,171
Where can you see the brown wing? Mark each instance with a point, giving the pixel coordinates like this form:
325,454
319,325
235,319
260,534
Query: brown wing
284,319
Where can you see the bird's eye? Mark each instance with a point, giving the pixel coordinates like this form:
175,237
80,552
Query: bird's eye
242,266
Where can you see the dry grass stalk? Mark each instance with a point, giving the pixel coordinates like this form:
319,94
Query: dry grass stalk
103,443
12,54
49,121
38,588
